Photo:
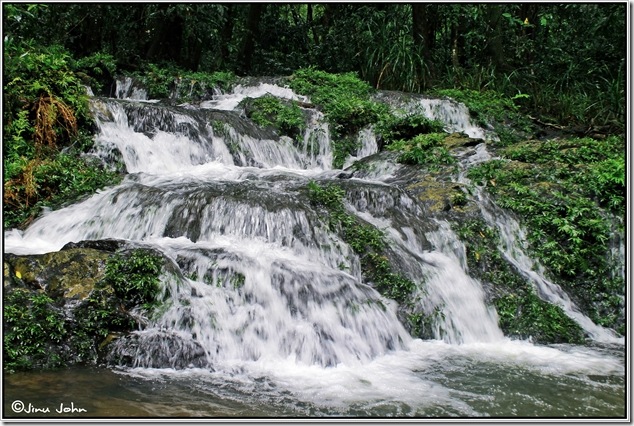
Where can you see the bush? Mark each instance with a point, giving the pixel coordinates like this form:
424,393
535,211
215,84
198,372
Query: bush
135,277
45,110
270,111
32,328
425,150
345,101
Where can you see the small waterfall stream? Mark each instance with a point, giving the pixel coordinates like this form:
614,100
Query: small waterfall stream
270,307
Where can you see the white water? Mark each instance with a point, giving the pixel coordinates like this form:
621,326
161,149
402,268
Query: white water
268,292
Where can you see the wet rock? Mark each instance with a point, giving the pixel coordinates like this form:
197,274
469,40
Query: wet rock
157,349
108,245
67,274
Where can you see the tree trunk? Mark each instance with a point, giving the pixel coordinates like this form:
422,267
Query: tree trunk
424,24
495,46
252,32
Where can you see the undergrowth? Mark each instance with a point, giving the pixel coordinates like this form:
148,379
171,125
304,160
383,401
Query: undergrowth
567,194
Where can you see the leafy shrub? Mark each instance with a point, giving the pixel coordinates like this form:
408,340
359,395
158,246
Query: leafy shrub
32,327
135,277
423,149
168,81
270,111
489,107
393,127
527,316
345,101
45,110
51,182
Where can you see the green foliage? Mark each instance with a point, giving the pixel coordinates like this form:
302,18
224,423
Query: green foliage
270,111
564,62
135,277
96,70
171,81
46,108
367,242
394,60
562,191
422,325
31,185
32,327
345,101
33,71
37,334
527,316
520,311
489,107
424,150
396,126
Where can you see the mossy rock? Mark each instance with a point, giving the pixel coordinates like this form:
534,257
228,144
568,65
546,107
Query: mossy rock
80,298
460,140
64,274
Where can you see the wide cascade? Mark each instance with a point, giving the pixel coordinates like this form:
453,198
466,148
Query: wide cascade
261,283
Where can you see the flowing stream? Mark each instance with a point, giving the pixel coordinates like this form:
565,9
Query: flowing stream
269,315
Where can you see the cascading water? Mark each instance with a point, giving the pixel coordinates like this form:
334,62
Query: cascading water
513,248
269,308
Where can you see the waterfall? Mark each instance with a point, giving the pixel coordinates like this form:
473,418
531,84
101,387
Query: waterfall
266,299
513,247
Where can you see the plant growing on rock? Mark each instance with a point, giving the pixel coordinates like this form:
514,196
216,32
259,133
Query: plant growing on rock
270,111
345,101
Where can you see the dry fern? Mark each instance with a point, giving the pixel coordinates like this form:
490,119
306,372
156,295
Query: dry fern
50,111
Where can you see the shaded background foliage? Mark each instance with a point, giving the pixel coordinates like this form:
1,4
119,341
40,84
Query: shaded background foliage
569,58
563,64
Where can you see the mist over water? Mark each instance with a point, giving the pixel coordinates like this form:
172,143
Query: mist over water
270,310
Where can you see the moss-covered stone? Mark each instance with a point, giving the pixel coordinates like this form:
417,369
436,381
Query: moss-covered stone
65,274
67,307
